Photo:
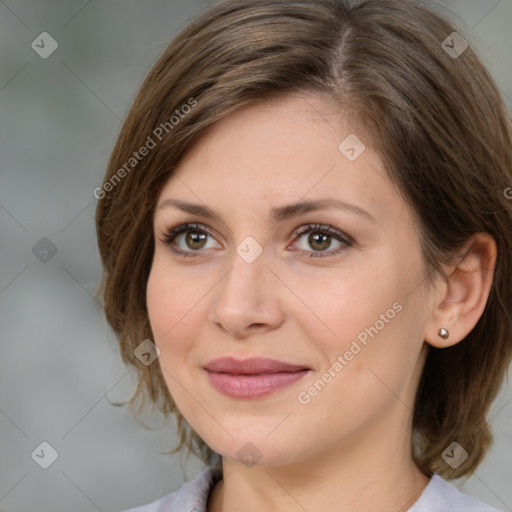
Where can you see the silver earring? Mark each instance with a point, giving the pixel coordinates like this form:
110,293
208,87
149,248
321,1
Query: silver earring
443,333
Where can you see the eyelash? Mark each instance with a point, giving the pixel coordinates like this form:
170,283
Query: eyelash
171,234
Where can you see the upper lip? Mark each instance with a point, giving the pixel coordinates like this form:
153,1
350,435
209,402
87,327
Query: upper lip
251,366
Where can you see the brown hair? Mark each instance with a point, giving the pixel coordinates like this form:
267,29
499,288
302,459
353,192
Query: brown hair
436,119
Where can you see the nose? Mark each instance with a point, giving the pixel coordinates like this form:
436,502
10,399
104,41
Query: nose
247,298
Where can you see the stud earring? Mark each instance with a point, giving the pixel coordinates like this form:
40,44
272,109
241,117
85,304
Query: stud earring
443,333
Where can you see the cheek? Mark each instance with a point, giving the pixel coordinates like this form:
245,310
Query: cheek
367,319
167,298
173,303
175,314
166,315
165,311
344,303
159,302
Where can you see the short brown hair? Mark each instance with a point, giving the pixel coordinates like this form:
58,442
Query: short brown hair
436,119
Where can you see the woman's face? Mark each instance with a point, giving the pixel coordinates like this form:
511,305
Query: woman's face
345,299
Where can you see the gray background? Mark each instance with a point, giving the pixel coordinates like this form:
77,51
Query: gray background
59,118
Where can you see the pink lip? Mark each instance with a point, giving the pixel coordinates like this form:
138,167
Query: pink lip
252,378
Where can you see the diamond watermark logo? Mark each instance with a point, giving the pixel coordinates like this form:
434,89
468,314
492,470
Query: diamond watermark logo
146,352
352,148
248,454
455,45
44,250
44,455
454,455
249,249
44,45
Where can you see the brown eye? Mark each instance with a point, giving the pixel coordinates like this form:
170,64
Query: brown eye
195,240
320,238
191,237
319,241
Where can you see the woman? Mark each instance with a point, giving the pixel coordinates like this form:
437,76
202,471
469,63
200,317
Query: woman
305,232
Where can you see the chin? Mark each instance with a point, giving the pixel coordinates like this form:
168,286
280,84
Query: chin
258,451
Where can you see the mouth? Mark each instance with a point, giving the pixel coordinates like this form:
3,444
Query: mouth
252,378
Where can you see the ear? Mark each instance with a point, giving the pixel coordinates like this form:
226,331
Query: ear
460,299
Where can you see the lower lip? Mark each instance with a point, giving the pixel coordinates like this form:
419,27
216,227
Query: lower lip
253,386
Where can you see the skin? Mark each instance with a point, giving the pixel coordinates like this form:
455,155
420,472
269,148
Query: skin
348,448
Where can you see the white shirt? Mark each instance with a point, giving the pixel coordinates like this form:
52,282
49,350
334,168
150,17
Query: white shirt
438,496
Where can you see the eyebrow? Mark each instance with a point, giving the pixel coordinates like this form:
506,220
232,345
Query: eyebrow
277,214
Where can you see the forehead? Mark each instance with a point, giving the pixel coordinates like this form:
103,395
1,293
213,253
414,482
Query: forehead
279,152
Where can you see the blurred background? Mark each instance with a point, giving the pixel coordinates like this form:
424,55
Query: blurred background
69,70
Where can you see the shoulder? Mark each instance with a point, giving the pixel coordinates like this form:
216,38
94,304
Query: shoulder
442,496
191,497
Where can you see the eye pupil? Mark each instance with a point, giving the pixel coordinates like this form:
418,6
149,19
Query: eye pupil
315,238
